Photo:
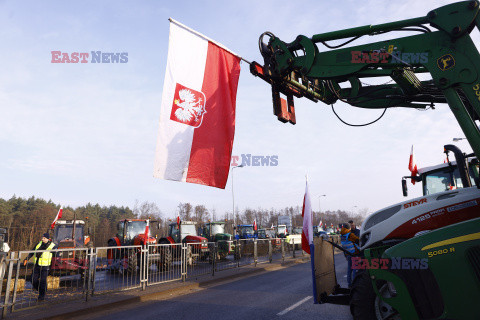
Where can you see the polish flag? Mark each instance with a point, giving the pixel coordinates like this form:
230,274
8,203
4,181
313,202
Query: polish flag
178,220
320,224
197,117
412,166
147,228
59,216
255,224
307,232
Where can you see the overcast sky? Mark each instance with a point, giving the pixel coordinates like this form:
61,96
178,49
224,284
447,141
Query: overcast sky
79,133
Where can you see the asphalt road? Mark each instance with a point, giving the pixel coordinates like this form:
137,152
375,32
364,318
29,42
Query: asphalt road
282,294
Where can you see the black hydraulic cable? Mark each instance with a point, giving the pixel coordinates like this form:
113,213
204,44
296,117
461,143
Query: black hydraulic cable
359,125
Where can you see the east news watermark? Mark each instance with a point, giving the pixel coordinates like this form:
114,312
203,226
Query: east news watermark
389,264
247,159
89,57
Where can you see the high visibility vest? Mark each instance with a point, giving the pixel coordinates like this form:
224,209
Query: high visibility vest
347,244
46,257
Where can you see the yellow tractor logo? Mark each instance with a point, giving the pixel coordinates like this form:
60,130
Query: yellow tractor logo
446,62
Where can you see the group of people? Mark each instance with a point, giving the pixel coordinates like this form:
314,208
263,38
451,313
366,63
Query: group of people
350,238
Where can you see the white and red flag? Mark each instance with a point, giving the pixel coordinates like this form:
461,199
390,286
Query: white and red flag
147,228
307,232
197,117
255,224
412,166
59,216
320,224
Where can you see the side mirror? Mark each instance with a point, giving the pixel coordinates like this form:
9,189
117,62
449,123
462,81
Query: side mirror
404,187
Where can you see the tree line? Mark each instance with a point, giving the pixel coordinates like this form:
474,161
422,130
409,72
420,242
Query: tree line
27,219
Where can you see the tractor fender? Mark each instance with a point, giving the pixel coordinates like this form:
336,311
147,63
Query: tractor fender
166,240
114,242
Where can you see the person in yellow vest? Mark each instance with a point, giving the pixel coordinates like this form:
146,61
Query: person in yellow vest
42,262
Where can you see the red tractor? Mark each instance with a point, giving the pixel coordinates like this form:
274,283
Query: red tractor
185,232
130,232
70,234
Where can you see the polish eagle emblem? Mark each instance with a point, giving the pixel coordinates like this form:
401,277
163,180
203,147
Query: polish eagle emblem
188,106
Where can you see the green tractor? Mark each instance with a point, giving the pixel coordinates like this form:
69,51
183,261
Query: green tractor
419,258
215,232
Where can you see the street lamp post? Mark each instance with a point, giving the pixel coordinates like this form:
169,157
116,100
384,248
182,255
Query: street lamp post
319,207
233,201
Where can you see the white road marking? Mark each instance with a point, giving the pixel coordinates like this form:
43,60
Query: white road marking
294,306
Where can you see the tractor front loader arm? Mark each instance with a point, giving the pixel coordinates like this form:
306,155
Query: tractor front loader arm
299,69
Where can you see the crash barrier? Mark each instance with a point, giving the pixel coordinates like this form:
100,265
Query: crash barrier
79,274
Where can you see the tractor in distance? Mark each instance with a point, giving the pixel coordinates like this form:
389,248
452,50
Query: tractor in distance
245,231
184,232
215,232
130,232
71,234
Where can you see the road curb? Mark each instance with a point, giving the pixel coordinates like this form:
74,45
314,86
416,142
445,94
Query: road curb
115,300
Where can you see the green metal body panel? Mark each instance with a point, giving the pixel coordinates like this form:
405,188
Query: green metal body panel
451,253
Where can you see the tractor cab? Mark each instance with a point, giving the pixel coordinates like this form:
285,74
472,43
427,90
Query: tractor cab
181,231
281,231
215,231
132,232
128,229
447,176
262,234
70,234
245,231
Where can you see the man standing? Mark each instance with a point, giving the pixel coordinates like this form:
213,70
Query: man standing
354,228
350,243
42,260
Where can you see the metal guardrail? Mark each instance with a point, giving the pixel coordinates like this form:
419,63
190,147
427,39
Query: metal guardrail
78,274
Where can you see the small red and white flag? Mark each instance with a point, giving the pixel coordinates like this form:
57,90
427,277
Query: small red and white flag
59,216
197,117
307,231
320,224
147,228
178,220
255,224
412,166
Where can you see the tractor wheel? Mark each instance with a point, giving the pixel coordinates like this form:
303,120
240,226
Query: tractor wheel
132,263
166,259
189,256
362,297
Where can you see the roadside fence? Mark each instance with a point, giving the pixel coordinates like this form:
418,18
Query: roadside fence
79,274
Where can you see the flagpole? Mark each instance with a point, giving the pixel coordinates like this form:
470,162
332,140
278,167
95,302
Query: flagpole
206,38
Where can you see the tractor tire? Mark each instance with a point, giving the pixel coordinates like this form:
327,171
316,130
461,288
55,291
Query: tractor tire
362,297
166,259
222,255
189,256
132,264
